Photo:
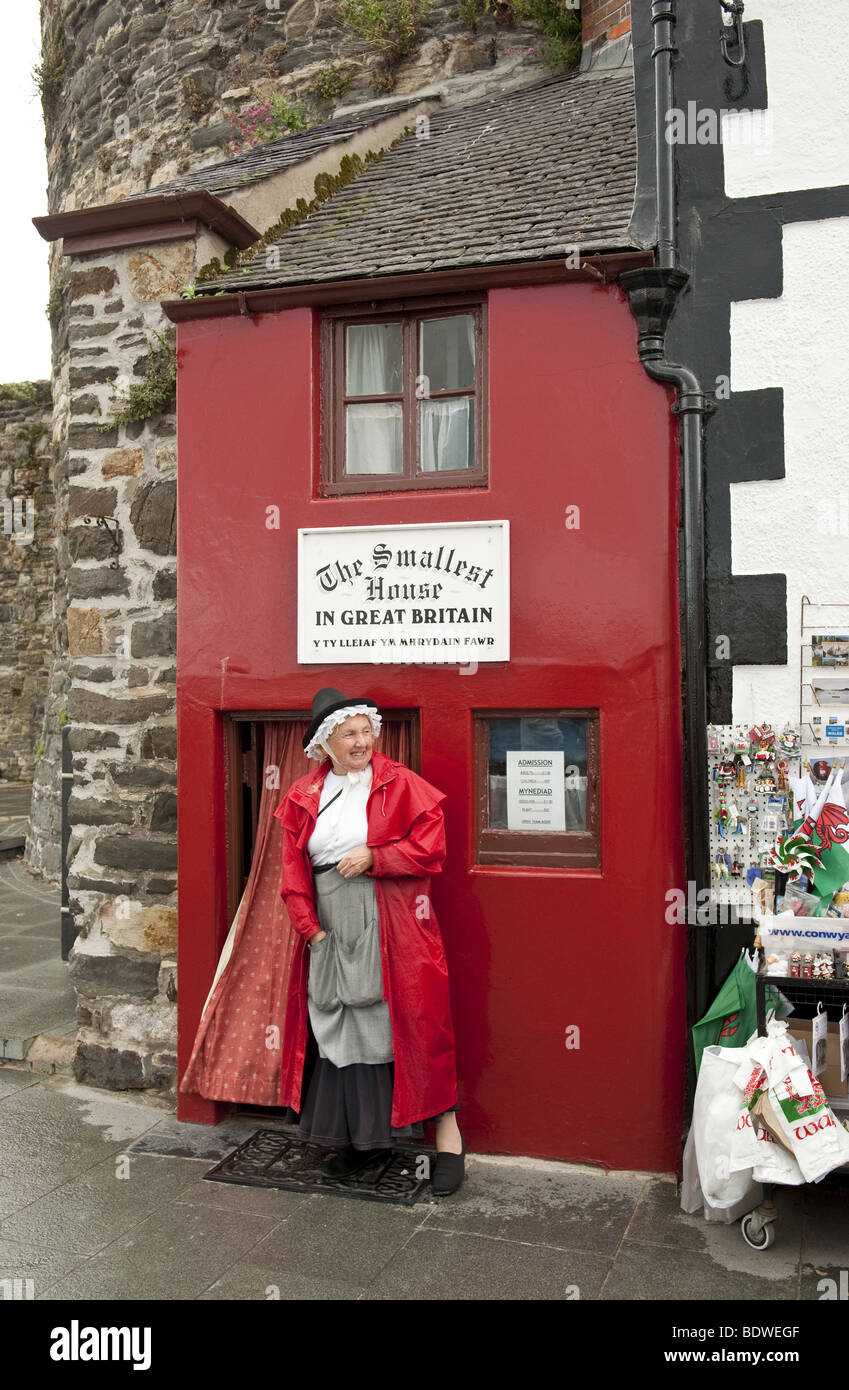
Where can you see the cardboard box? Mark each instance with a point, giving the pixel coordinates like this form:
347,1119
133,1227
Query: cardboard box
830,1078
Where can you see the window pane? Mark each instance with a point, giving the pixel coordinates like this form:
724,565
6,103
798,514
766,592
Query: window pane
537,774
373,359
374,438
448,433
447,353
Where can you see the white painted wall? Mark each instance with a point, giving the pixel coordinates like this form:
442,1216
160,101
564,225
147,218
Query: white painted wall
798,342
807,59
798,525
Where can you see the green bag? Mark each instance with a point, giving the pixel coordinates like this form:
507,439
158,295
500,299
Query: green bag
733,1016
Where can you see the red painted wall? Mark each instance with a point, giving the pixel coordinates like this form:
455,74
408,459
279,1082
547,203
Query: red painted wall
574,420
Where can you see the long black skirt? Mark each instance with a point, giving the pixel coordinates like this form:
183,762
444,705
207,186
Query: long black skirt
352,1106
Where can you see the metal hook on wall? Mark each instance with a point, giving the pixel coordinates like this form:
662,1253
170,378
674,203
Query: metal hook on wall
732,17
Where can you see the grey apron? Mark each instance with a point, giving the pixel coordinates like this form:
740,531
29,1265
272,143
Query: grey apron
349,1016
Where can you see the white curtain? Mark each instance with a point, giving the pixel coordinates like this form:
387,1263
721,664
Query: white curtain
446,433
374,430
447,425
373,359
373,438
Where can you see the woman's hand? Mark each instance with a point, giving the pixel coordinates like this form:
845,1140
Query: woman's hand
319,936
355,862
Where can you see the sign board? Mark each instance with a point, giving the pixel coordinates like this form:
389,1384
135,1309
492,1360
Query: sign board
402,594
536,790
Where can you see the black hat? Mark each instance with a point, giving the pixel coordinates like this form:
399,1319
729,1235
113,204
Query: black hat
328,701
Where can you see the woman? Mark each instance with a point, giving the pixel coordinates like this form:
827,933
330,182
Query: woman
360,840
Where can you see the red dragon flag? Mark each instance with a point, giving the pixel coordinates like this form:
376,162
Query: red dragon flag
832,827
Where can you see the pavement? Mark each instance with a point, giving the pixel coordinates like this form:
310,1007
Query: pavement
37,1000
103,1196
15,800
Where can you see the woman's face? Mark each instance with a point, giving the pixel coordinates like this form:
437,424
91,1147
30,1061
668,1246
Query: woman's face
351,744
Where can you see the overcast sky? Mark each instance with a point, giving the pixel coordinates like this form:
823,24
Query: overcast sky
25,335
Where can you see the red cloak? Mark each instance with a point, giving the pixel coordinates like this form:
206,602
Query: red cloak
406,835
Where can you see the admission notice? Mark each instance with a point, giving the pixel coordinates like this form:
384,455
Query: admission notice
536,790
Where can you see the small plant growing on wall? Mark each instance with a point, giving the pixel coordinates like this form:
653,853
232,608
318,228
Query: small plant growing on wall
267,120
154,393
331,82
23,391
393,26
559,21
49,74
56,298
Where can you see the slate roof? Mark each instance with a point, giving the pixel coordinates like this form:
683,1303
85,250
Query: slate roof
523,176
276,155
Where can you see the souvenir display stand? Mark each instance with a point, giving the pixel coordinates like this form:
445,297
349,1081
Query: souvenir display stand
749,776
778,826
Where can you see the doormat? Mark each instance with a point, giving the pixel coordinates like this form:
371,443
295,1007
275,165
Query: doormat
273,1159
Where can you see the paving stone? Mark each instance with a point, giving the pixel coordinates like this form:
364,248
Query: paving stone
444,1265
827,1224
14,1079
684,1275
43,1266
230,1196
27,1011
248,1282
16,951
176,1253
330,1235
556,1204
182,1140
660,1220
92,1210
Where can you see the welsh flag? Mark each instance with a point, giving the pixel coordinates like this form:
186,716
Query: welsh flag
824,820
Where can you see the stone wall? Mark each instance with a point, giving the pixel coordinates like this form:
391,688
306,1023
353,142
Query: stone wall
136,94
26,572
120,655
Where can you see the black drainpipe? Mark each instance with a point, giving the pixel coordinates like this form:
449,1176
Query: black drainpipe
653,294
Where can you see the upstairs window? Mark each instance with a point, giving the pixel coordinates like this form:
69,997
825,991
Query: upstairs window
403,400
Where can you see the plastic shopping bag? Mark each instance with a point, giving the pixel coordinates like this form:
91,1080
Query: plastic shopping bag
818,1141
715,1113
783,1092
693,1199
753,1145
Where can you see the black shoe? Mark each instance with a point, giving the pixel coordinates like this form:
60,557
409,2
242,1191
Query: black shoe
349,1161
449,1172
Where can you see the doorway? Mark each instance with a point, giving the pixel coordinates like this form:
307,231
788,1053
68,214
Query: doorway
247,736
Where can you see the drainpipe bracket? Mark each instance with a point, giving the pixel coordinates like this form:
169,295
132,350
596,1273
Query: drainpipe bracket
696,401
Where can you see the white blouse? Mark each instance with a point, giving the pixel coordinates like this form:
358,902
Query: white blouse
344,825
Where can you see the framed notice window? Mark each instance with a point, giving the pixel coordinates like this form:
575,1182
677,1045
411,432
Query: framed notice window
537,788
403,398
